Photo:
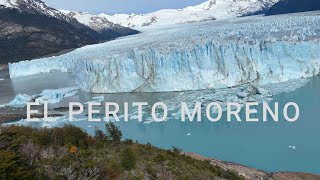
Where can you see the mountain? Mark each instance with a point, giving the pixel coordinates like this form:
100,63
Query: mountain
209,10
99,23
34,7
292,6
31,29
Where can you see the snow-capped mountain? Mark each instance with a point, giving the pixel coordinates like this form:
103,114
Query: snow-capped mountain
35,7
31,29
96,22
212,9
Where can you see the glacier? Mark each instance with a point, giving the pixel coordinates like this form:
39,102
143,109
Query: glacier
205,55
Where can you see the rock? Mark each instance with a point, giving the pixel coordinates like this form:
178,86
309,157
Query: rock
242,95
252,89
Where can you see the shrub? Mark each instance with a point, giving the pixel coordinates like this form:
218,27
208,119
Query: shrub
159,158
176,150
70,134
73,150
128,159
12,167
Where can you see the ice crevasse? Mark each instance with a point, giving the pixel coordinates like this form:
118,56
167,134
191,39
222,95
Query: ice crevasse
212,54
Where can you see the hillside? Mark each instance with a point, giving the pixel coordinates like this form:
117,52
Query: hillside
31,29
293,6
25,36
70,153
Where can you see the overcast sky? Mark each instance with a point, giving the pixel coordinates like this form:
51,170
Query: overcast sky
120,6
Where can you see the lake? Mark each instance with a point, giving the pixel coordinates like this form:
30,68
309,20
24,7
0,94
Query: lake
268,146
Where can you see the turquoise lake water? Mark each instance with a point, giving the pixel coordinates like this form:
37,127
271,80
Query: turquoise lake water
264,145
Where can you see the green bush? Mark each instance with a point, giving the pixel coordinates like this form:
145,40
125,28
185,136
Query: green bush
128,159
11,166
160,158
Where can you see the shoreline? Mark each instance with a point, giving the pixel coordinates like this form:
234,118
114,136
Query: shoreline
254,174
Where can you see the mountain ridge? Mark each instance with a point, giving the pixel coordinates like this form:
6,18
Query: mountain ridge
30,29
293,6
209,10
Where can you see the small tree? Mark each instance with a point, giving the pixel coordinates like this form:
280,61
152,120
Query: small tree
99,135
176,150
113,133
128,159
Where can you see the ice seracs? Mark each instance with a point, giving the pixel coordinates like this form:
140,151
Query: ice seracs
212,54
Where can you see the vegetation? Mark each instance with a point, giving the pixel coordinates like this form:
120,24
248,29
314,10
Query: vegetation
70,153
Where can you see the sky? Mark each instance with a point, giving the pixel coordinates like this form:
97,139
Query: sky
120,6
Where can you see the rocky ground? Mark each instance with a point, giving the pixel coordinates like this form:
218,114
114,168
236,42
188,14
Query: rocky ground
255,174
9,114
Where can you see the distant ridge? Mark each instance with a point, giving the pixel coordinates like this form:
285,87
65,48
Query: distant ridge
293,6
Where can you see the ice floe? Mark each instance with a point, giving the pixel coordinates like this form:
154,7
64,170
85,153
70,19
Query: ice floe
51,96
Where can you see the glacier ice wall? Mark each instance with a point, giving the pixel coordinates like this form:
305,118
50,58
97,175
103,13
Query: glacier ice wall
197,56
207,66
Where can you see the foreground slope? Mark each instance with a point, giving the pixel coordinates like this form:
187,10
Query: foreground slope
71,153
211,54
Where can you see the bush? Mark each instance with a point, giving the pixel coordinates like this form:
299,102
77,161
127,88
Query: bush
12,167
72,135
128,159
176,150
231,175
160,158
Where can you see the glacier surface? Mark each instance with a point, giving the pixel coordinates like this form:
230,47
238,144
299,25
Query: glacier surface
206,55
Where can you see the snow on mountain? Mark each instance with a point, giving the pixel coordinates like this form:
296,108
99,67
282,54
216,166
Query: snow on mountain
211,54
8,3
95,22
212,9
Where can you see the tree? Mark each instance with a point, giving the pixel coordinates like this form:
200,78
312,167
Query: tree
128,159
100,137
176,150
113,132
12,167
